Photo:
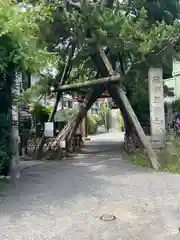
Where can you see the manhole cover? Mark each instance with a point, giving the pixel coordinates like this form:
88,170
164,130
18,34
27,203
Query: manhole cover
33,174
108,217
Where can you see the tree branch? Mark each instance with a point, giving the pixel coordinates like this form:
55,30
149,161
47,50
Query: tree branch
87,84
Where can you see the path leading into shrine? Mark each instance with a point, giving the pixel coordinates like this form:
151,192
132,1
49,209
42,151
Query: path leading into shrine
64,200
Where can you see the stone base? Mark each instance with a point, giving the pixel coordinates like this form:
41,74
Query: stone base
158,141
168,155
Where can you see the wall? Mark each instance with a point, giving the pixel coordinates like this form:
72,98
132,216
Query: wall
175,81
114,120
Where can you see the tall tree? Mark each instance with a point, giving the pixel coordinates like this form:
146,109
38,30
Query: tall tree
134,36
20,49
157,11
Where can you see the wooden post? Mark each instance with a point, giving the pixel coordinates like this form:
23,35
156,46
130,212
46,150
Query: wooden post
90,83
127,106
144,139
65,74
90,99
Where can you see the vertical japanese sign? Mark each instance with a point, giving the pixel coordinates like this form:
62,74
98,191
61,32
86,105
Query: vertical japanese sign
156,102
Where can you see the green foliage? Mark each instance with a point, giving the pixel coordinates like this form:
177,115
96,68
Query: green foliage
140,31
96,120
71,113
5,149
40,113
19,38
92,123
36,91
160,10
20,49
140,104
176,106
4,184
139,159
99,118
169,157
168,92
104,115
121,123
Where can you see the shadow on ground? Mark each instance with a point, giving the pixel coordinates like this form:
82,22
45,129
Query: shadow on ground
64,200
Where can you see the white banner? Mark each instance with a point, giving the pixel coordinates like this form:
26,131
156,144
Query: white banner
49,129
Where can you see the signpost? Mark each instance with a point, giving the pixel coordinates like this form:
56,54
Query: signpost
156,102
49,129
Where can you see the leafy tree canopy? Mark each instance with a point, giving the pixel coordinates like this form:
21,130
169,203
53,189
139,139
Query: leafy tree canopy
139,33
20,44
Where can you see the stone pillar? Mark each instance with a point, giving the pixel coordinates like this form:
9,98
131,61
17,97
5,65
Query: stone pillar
15,169
156,102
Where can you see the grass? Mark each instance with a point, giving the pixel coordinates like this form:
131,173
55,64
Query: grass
169,158
173,168
3,186
139,159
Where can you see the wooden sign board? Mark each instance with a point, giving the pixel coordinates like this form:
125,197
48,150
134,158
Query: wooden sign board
49,129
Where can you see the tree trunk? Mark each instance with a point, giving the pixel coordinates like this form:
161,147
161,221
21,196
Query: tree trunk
51,118
96,92
64,76
123,100
121,96
90,99
6,82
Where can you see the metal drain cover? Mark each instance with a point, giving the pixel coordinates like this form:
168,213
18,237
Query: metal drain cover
33,174
107,217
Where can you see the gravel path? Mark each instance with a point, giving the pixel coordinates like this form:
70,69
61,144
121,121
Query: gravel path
64,200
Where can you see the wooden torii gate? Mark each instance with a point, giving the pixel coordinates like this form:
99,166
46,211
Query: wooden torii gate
111,81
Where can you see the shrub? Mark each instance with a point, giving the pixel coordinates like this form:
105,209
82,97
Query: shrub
71,113
5,144
41,113
121,123
92,123
176,106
